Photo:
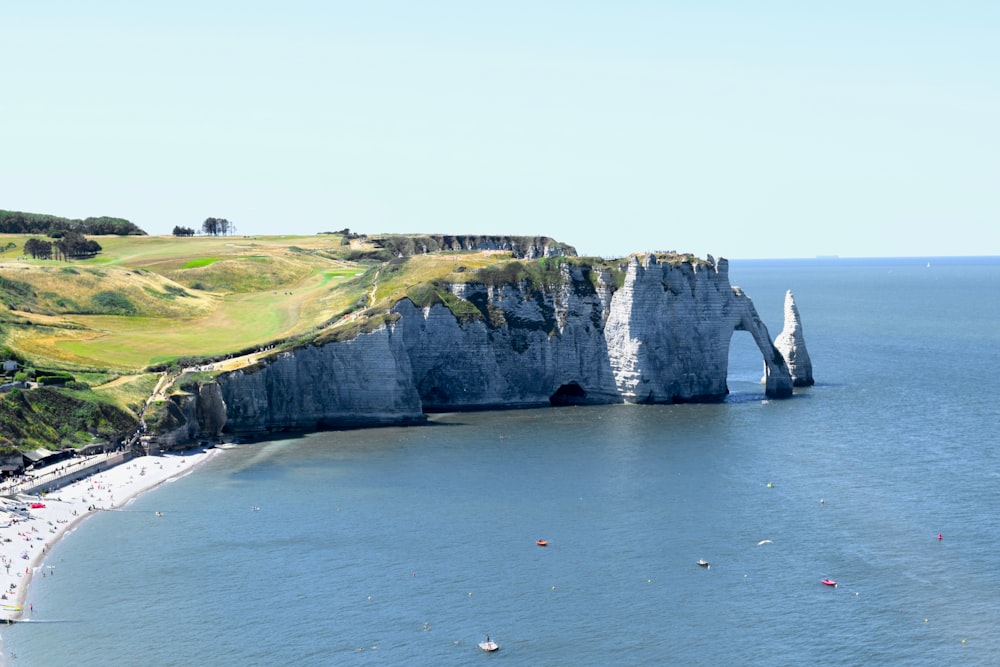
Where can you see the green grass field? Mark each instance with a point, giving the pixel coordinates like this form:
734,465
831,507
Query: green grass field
146,300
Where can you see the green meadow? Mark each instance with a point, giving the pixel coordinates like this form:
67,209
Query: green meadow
146,301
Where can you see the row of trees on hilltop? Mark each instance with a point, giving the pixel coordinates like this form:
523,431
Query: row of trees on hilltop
18,222
211,227
217,226
71,245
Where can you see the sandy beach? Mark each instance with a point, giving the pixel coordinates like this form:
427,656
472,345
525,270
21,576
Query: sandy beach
30,525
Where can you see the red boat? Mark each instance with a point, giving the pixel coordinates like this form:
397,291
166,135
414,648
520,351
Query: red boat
37,506
542,543
829,582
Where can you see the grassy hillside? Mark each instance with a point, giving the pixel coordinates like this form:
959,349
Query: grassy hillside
147,300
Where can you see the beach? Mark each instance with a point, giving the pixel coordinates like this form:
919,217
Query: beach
31,523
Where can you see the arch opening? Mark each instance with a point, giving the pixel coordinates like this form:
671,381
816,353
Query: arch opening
745,367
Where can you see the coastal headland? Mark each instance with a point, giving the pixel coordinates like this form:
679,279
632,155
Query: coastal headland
195,338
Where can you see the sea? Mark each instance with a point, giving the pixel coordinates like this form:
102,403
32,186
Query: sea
409,546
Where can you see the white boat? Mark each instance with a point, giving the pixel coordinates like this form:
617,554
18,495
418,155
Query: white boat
489,645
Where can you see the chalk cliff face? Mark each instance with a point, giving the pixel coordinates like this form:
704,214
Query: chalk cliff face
539,346
662,337
365,381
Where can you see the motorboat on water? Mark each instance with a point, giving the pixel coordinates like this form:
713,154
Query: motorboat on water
542,543
829,582
703,563
489,645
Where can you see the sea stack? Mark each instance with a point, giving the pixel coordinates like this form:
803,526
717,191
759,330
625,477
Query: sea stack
792,345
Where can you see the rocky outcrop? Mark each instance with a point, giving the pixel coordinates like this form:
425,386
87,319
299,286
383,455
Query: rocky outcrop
669,331
193,416
520,247
661,336
792,345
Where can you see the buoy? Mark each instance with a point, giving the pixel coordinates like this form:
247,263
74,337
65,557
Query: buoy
940,536
770,485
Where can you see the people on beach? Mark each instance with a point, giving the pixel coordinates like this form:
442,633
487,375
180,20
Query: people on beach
25,520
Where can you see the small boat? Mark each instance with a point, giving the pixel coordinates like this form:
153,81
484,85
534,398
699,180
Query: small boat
542,543
829,582
703,563
489,645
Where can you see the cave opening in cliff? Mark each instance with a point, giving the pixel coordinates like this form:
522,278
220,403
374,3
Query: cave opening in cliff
568,394
746,367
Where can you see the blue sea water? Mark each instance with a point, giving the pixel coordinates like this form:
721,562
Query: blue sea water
408,545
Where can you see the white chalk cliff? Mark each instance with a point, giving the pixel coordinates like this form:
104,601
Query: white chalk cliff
663,336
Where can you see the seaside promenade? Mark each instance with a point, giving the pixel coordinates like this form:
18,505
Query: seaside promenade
66,472
37,511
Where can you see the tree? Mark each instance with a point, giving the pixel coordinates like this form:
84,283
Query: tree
183,231
38,248
73,245
17,222
216,226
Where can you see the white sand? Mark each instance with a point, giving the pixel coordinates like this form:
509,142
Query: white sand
27,534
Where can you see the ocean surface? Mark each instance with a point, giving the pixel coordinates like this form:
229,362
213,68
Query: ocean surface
397,546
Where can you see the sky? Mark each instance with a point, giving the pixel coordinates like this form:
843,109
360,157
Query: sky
743,130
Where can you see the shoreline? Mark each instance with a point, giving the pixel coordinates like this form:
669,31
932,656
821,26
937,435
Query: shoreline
31,524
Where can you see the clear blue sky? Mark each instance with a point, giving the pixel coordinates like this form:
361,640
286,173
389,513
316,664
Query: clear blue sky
744,130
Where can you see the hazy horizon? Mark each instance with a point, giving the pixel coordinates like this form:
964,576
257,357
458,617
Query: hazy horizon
785,131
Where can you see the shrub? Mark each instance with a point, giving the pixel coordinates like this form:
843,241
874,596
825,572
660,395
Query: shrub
55,378
113,303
